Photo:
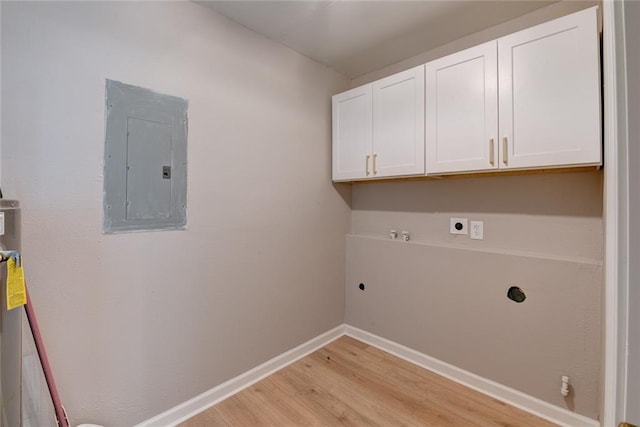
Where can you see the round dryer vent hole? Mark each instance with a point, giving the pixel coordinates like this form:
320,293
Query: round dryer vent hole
516,294
361,286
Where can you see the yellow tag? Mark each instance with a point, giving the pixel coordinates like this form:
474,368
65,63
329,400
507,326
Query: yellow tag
16,290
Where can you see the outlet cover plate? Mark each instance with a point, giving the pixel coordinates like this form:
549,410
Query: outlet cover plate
476,230
458,226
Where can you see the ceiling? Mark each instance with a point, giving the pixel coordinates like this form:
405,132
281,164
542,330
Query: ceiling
357,37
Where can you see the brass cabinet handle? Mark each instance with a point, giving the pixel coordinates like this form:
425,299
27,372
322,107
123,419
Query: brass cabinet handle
375,157
505,151
491,152
366,162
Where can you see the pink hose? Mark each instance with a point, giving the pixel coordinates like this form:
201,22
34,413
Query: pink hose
61,416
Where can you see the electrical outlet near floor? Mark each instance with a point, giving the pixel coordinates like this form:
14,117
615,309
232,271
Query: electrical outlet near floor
477,230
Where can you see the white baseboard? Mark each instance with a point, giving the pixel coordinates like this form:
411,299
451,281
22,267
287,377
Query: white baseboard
498,391
190,408
200,403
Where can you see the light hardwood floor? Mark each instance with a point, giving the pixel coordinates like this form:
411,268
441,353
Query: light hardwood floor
351,383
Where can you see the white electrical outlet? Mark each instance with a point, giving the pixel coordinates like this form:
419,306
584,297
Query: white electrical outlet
458,226
477,230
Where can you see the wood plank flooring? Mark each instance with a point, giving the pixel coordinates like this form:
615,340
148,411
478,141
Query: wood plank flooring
351,383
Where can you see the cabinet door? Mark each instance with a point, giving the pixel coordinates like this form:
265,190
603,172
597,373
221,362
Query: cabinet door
550,94
462,111
398,124
352,143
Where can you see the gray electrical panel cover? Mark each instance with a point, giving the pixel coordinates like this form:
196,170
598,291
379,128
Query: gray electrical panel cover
145,164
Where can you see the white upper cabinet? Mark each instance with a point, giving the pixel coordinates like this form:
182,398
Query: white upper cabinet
378,128
462,111
398,124
529,100
549,89
352,140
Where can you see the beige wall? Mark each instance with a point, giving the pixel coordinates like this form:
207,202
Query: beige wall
445,295
557,214
632,299
137,323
